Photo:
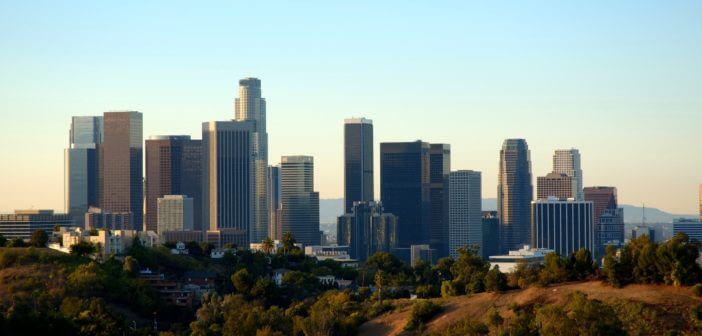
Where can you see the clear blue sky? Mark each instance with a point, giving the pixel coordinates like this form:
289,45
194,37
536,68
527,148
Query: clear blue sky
620,80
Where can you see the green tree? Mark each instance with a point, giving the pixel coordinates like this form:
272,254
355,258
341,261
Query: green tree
422,312
470,269
82,249
242,281
594,317
554,321
268,245
495,281
288,243
554,271
3,240
581,264
131,266
495,320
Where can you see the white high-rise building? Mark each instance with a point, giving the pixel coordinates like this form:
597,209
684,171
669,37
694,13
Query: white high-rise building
175,213
465,215
567,161
250,106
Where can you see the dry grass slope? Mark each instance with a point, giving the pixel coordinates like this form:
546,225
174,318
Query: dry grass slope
672,305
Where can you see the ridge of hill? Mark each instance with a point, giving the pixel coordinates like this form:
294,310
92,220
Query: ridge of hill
670,304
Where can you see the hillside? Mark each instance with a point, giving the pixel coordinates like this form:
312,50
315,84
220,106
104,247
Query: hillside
670,304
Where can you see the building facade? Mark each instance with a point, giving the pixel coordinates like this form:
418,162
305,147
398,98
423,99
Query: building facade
564,226
439,170
514,195
121,165
175,213
358,162
608,218
404,189
557,185
251,107
567,161
367,230
23,223
228,180
81,166
465,215
173,167
97,218
299,203
274,230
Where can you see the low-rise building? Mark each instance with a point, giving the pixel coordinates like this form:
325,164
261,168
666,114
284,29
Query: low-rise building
107,242
23,223
527,255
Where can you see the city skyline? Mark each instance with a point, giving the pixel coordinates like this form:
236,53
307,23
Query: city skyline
633,96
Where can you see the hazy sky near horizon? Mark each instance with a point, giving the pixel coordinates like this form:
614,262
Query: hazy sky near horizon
619,80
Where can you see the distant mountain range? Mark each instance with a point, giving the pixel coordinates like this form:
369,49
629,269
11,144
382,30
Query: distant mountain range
329,209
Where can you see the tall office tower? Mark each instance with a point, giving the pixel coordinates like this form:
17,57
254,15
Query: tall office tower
567,161
404,189
607,216
465,215
491,234
251,107
557,185
228,180
439,170
299,203
81,167
274,203
175,213
121,165
367,230
358,162
514,195
562,226
173,167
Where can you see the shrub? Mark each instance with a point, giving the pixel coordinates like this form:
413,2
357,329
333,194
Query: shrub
697,289
422,312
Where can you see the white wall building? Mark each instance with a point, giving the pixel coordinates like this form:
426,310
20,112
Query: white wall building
527,255
175,213
465,215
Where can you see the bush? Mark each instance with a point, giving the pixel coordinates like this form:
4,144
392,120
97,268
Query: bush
697,289
422,312
427,291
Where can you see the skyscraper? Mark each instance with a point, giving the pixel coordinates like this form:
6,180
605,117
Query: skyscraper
557,185
514,195
121,164
491,234
439,170
251,107
358,162
173,167
228,179
465,215
367,230
564,226
299,203
567,161
274,203
81,182
404,189
608,218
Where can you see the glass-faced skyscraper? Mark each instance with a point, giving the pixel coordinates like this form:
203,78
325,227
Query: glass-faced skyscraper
228,179
608,217
250,106
299,208
405,189
514,195
439,170
173,167
567,161
274,202
121,165
358,162
81,182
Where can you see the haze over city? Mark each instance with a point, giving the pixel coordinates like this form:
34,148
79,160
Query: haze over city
619,81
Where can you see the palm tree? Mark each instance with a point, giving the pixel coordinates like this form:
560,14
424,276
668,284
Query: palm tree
267,245
288,242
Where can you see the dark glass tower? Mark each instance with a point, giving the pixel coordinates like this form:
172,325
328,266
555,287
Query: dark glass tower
121,164
439,170
82,167
173,167
299,208
228,179
358,162
405,189
514,195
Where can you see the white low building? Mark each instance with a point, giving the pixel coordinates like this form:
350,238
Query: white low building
107,242
527,255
